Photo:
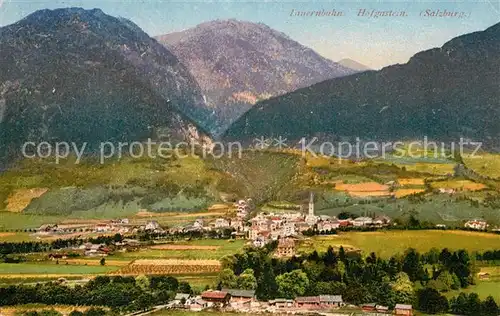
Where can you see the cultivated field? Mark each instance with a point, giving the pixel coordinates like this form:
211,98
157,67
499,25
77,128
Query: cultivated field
411,181
400,193
19,199
486,287
460,185
20,269
19,309
388,243
196,249
364,189
169,266
487,165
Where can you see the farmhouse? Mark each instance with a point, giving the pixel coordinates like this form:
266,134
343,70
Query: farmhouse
103,228
281,303
221,223
345,222
216,297
328,225
198,305
362,221
382,309
240,295
369,307
382,220
181,298
47,228
403,309
153,226
307,302
478,224
330,300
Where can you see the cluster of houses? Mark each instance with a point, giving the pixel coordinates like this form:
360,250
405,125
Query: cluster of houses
242,207
477,224
119,226
265,228
245,300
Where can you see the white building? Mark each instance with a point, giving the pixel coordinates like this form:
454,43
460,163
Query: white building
328,225
311,219
362,221
288,229
478,224
198,224
222,223
152,226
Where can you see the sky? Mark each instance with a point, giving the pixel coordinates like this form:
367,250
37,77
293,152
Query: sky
375,42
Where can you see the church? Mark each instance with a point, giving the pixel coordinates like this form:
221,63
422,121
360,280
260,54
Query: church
311,219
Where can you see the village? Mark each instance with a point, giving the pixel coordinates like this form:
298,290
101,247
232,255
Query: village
286,227
246,301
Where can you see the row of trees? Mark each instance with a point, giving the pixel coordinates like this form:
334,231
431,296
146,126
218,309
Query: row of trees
120,293
431,301
409,278
93,311
38,246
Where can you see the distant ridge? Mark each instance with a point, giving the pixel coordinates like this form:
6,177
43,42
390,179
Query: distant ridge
239,63
86,77
349,63
444,93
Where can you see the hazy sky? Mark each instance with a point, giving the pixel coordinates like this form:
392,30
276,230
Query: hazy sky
375,42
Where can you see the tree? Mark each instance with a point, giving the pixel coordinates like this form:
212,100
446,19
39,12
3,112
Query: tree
247,280
342,255
458,304
143,282
489,307
432,256
412,265
443,283
292,284
473,304
102,262
184,287
75,313
117,237
228,279
403,288
456,282
95,311
340,268
266,287
49,312
431,302
330,257
144,302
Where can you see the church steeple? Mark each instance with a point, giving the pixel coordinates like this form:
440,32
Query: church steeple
311,204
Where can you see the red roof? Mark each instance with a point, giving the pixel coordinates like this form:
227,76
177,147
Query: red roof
214,294
265,233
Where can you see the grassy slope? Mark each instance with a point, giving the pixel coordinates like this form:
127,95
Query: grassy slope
121,188
388,243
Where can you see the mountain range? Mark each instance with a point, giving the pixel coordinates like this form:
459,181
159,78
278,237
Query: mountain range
83,76
349,63
239,63
444,93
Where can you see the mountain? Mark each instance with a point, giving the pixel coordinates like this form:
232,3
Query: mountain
240,63
349,63
443,93
80,75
